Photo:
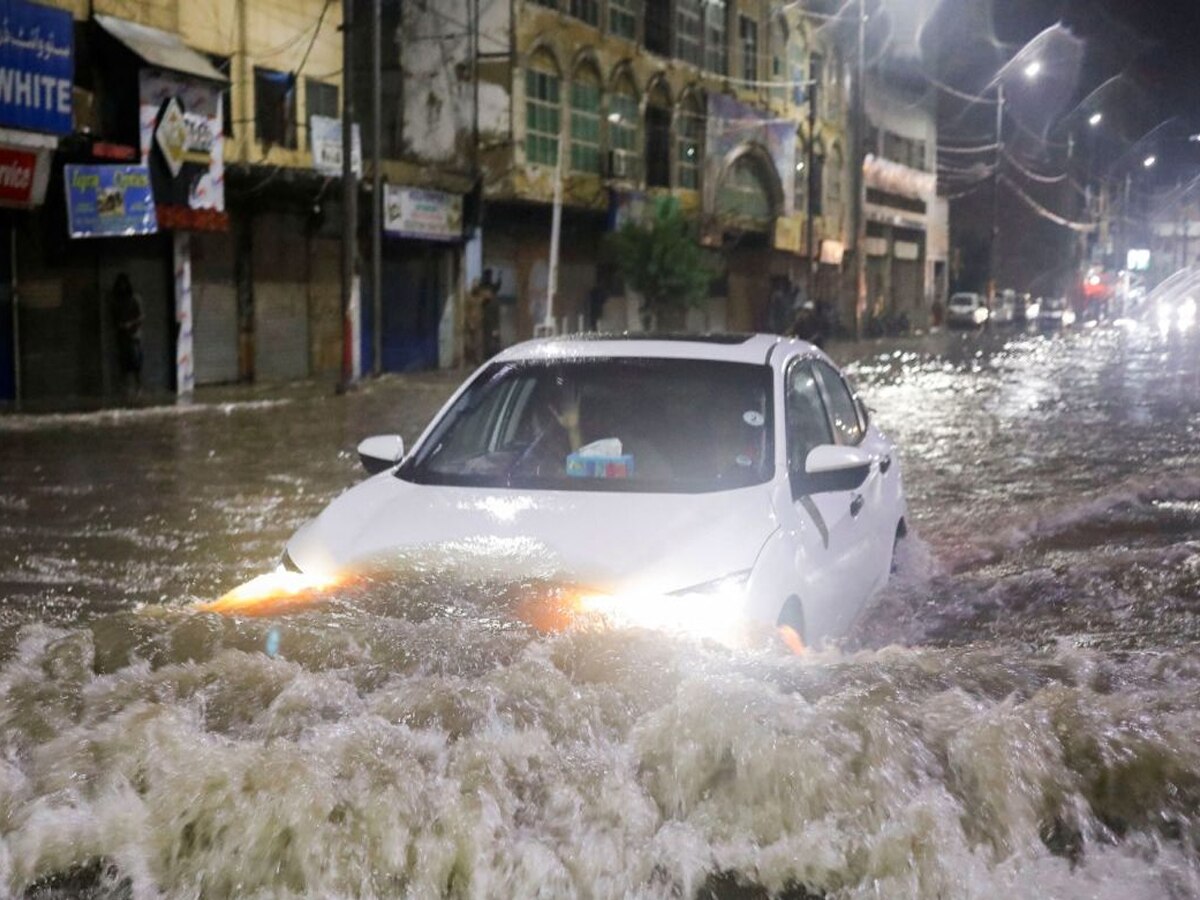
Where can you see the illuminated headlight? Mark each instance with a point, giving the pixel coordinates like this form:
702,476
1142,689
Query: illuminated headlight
1068,317
1033,310
712,610
981,316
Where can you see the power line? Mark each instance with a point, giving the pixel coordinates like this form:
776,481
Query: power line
1043,212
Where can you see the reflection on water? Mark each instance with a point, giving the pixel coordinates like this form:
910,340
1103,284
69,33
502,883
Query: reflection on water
1017,716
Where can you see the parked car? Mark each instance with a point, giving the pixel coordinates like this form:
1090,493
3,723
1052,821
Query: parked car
1055,313
690,483
966,310
1004,308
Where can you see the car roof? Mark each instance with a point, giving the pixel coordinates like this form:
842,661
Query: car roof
757,349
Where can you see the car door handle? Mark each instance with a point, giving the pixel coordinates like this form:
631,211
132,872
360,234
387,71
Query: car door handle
856,504
885,464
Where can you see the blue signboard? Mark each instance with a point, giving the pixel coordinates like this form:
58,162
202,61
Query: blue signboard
37,65
109,201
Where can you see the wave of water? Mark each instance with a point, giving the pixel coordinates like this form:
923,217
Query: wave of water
379,756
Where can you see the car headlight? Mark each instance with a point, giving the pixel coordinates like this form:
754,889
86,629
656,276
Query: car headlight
712,609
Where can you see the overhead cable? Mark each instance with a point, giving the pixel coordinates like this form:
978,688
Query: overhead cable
1048,215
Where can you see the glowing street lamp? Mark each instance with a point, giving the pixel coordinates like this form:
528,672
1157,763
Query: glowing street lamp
1033,70
1095,119
1149,161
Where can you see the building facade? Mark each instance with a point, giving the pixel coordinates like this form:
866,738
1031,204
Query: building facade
237,269
707,102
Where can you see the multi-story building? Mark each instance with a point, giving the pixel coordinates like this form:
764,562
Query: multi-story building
705,100
907,223
237,269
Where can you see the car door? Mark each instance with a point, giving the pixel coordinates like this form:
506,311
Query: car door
870,509
824,527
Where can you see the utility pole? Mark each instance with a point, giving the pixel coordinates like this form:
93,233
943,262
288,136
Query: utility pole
857,177
995,261
810,194
349,193
376,186
555,236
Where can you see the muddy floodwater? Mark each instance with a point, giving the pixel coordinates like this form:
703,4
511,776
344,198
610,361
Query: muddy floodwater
1017,716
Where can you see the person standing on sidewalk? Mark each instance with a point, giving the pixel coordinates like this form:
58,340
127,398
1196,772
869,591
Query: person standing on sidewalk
127,315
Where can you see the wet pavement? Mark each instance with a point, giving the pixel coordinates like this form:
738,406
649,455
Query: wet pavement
1018,715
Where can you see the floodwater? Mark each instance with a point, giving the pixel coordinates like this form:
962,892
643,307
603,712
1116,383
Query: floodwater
1018,715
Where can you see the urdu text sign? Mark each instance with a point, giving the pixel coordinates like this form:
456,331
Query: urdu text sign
37,64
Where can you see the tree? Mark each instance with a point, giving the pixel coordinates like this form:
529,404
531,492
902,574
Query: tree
662,261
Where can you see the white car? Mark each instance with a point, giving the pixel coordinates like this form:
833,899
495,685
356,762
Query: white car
699,483
966,311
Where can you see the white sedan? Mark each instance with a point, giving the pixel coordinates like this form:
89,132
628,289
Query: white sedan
701,483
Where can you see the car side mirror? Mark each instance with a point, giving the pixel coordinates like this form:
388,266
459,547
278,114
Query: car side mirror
830,468
380,453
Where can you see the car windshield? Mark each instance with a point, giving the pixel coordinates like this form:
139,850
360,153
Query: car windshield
962,301
621,424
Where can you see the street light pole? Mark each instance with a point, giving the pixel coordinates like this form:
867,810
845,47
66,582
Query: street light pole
995,261
858,180
377,186
810,194
349,193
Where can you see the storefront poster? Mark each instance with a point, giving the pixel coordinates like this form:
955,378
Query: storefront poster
37,67
183,145
325,136
109,201
424,214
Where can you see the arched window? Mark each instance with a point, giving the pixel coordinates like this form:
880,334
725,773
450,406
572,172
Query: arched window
658,137
543,122
623,120
585,120
690,141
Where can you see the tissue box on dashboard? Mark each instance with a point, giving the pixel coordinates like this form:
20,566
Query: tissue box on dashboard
580,466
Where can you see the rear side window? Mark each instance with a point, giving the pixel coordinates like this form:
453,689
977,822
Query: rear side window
842,407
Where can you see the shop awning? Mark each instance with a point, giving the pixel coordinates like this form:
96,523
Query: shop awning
160,48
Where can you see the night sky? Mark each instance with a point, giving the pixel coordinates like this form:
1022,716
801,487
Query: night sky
1135,61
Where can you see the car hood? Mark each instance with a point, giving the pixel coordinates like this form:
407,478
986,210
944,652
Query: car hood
660,542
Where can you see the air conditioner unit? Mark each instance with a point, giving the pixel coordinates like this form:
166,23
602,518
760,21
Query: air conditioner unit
620,164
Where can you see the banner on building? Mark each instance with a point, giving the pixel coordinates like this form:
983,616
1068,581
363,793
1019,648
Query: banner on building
894,178
424,214
325,137
732,124
37,67
183,145
109,201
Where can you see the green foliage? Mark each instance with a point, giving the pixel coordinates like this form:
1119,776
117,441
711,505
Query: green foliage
662,261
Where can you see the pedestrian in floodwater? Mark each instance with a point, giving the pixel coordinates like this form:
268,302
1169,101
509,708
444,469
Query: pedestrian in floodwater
127,315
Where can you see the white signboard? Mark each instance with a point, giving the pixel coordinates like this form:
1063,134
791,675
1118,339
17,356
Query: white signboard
325,136
417,213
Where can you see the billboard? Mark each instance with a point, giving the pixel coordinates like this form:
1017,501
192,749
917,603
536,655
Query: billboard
37,67
109,201
183,145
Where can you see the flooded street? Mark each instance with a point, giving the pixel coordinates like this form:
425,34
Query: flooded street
1018,715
